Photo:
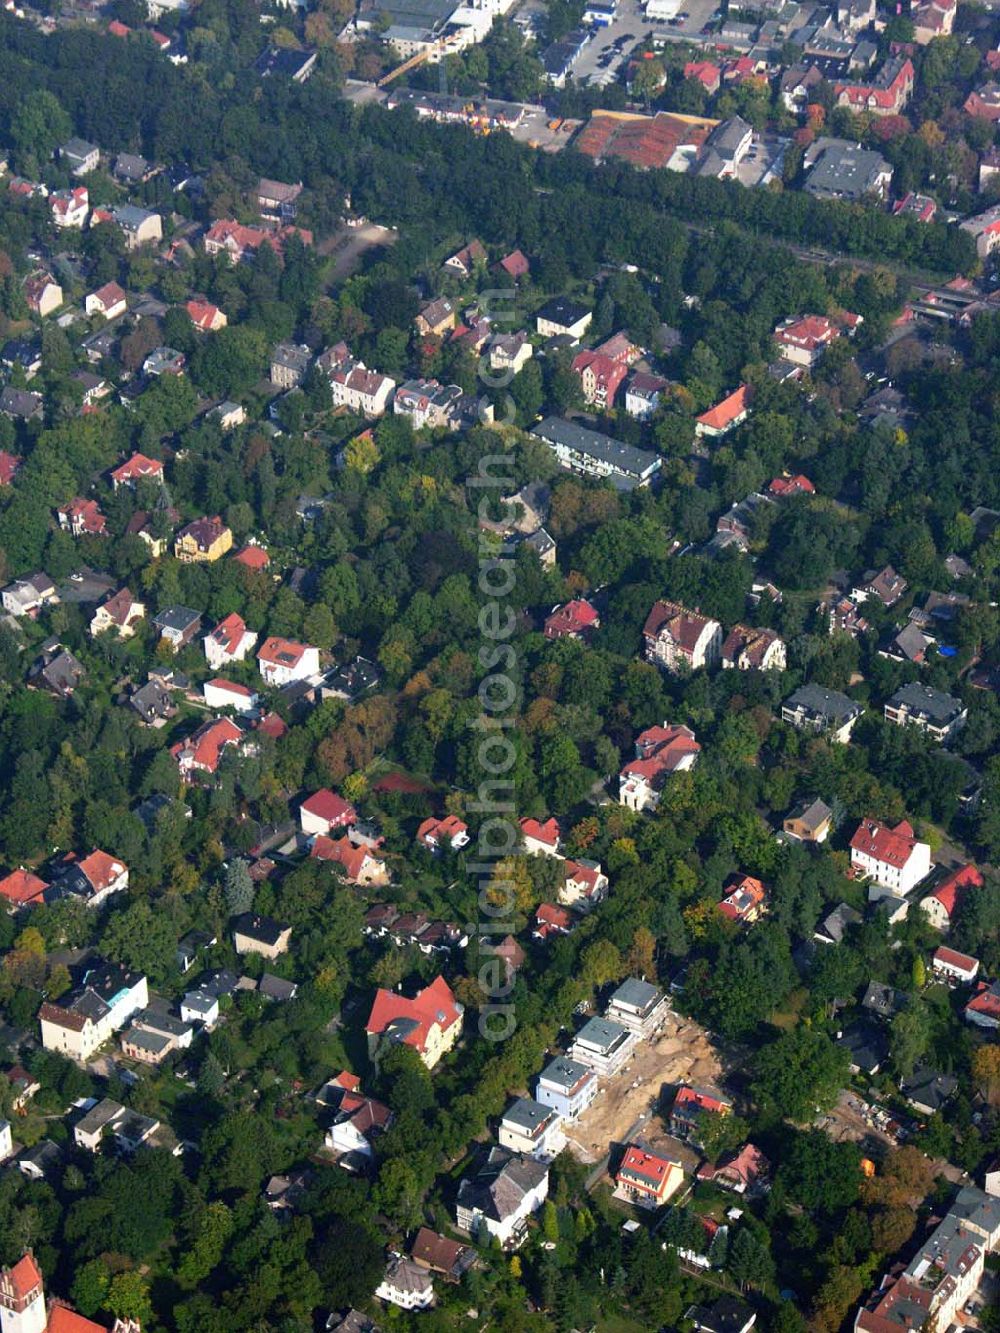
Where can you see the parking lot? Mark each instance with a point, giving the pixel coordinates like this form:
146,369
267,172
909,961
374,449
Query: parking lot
609,48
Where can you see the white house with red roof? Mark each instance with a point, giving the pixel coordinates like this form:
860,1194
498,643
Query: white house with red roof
803,339
983,1010
205,316
745,1171
203,749
730,412
691,1105
659,753
324,811
705,72
280,661
745,900
785,485
430,1022
540,839
647,1178
892,857
572,620
883,95
942,902
221,693
23,1308
134,469
747,648
105,874
70,207
954,967
241,242
121,612
109,301
230,641
356,861
551,921
585,885
681,640
22,888
10,465
450,832
82,518
600,377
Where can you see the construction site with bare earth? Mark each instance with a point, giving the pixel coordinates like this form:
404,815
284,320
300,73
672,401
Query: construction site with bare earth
631,1102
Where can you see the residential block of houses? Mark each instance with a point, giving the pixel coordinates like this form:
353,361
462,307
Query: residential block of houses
204,540
603,1046
681,640
531,1128
430,1022
281,661
568,1086
83,1020
931,711
647,1178
892,857
826,712
659,753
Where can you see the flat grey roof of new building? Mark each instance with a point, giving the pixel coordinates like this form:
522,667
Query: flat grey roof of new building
636,994
602,1033
526,1113
564,1072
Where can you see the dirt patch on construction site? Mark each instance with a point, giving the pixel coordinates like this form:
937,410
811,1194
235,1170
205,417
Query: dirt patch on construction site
627,1105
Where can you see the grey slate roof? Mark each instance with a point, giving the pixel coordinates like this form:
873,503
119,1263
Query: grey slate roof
834,707
934,705
625,458
499,1186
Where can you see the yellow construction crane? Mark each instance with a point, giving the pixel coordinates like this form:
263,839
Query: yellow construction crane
412,63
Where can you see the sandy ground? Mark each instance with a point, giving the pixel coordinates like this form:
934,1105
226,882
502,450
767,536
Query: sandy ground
348,246
683,1053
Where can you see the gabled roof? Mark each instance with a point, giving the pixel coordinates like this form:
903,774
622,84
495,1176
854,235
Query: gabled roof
281,652
684,627
102,870
412,1019
254,926
22,886
228,633
203,314
728,411
205,745
329,805
547,832
345,853
203,531
952,958
893,846
110,294
24,1278
119,606
951,887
